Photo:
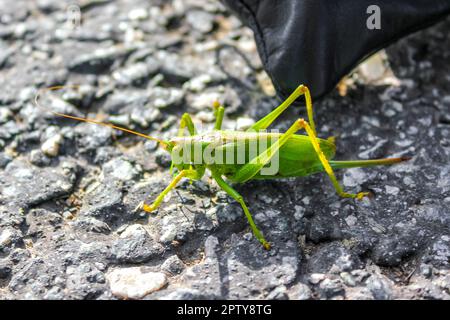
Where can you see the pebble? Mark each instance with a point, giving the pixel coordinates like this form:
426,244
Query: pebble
315,278
135,245
279,293
120,169
38,158
351,220
379,287
303,292
120,120
348,279
5,115
392,190
244,123
135,282
161,97
354,177
173,265
426,270
51,146
135,74
6,237
198,83
138,14
200,20
330,288
204,100
374,68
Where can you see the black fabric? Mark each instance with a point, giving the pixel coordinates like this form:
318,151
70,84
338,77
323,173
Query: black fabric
317,42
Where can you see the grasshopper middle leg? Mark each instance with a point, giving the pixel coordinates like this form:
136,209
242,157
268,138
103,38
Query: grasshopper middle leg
236,196
219,112
186,122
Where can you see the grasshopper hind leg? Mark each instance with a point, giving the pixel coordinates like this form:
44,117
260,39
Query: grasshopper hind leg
250,169
326,164
268,119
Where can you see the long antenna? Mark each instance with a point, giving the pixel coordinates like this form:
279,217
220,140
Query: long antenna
105,124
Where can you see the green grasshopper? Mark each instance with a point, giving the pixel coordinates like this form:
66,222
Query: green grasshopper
298,155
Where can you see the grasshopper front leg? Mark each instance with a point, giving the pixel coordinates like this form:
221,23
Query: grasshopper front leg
192,174
236,196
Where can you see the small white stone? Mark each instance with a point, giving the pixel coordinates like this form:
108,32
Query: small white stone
68,215
392,190
374,67
351,221
306,200
198,83
121,120
121,169
51,146
299,212
244,123
169,232
5,114
348,279
138,14
354,177
304,292
205,100
133,283
133,230
206,116
315,278
6,237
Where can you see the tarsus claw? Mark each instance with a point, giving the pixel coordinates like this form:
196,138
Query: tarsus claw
361,195
143,206
266,245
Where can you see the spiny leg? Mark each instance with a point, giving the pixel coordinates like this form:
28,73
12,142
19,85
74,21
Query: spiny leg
326,164
219,112
267,120
193,174
236,196
247,171
255,165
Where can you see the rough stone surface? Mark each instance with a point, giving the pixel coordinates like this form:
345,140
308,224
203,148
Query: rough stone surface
69,190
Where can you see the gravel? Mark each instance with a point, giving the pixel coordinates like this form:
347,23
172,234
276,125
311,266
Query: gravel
133,283
68,190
